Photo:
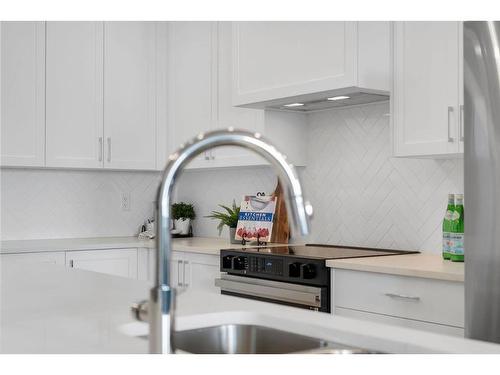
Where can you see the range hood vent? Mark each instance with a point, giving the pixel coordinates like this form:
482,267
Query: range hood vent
323,100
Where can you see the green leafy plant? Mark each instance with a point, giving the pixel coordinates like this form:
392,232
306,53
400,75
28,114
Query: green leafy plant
183,211
229,218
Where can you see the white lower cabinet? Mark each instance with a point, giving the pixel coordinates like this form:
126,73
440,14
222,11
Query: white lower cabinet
200,272
45,257
189,270
118,262
427,304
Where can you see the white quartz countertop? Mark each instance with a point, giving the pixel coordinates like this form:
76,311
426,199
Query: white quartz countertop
204,245
52,309
417,265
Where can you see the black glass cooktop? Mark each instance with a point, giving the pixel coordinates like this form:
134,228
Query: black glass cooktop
314,251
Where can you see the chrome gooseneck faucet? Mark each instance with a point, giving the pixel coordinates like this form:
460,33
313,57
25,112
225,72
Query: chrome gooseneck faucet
161,305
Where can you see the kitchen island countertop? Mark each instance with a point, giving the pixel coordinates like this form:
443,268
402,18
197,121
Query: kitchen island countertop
76,311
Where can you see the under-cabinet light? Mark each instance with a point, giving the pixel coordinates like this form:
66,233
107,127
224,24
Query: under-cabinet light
293,105
341,97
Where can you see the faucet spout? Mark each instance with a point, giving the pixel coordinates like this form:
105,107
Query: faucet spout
161,304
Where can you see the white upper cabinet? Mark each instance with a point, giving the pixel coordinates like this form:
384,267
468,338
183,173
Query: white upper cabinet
132,81
428,89
278,60
200,96
74,94
22,93
191,92
84,94
227,115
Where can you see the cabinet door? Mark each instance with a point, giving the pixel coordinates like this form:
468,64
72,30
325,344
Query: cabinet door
227,114
461,87
191,91
132,81
23,93
200,272
280,59
74,109
45,257
118,262
426,88
177,269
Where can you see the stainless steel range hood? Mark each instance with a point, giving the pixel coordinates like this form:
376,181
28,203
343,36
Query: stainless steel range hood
348,96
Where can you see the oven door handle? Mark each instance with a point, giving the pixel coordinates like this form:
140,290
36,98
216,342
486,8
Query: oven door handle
273,291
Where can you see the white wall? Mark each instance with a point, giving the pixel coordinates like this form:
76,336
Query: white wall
361,195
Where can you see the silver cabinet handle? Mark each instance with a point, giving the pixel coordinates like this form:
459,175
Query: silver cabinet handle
109,149
403,297
185,282
179,272
100,148
450,138
71,263
461,114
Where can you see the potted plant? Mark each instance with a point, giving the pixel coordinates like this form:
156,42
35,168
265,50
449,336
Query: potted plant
228,218
183,213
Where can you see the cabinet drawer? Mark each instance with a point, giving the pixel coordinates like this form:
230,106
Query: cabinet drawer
428,300
402,322
117,262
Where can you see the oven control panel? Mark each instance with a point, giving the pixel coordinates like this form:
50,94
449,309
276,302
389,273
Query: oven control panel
275,267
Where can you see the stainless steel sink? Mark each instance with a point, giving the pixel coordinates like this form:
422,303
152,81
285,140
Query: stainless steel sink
253,339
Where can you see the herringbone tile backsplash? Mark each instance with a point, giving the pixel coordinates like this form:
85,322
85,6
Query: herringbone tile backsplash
361,195
364,196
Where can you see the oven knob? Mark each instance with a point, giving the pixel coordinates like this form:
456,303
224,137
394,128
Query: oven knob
239,263
294,269
227,261
308,271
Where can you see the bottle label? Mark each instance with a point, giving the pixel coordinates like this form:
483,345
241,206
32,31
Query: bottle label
454,215
449,215
446,242
456,243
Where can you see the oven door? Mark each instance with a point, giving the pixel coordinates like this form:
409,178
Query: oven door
304,296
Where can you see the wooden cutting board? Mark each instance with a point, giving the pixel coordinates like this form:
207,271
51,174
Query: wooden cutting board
281,228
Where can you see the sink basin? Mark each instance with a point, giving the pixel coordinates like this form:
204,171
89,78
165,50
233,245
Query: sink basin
252,339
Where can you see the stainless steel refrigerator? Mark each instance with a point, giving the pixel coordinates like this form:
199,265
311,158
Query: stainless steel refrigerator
482,180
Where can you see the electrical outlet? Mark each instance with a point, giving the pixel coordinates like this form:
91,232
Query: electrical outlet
125,199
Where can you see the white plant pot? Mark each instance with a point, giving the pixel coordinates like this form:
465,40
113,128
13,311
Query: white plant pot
232,233
183,225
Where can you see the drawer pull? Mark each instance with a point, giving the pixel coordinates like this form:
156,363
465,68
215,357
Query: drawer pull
403,297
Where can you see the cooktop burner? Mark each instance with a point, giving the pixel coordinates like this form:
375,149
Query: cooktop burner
314,251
